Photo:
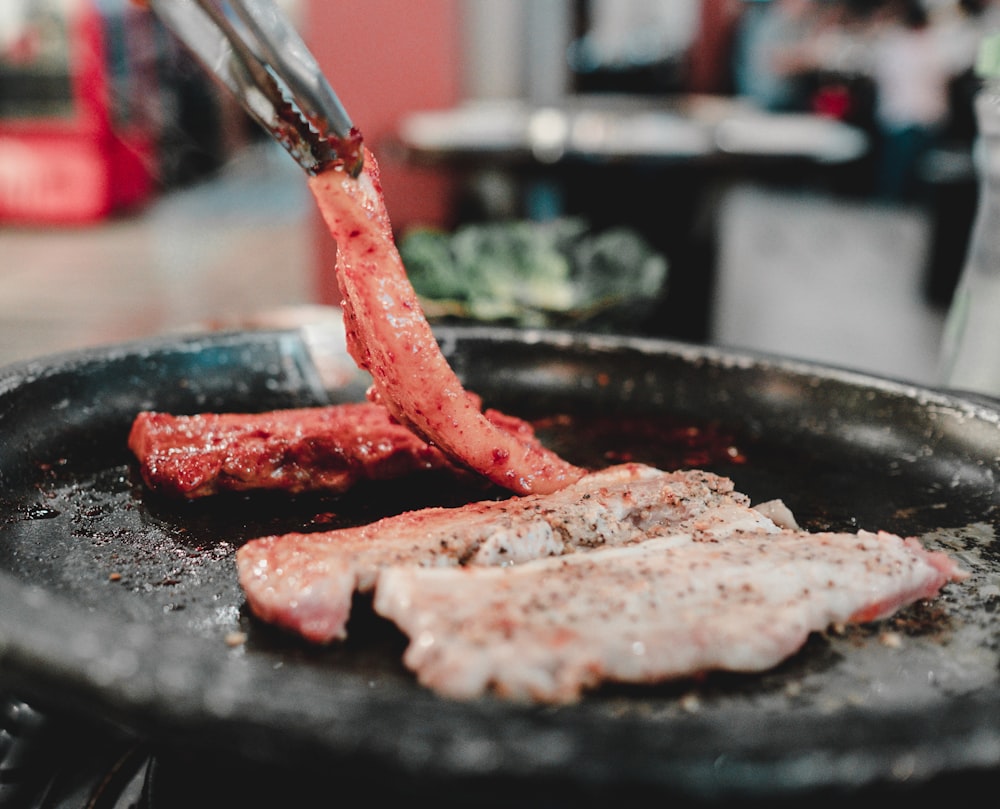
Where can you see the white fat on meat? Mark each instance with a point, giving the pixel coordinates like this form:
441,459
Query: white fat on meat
669,607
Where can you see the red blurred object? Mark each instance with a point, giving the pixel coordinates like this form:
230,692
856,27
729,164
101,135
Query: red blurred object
423,73
833,101
76,141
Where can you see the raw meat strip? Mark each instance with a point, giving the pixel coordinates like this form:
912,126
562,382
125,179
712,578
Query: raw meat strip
296,450
389,337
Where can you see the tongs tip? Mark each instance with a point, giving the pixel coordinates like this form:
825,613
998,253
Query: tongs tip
252,49
349,152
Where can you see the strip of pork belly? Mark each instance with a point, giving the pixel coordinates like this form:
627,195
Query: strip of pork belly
305,582
667,608
389,337
305,449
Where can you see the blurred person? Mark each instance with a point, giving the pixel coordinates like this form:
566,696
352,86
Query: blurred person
637,32
773,53
911,74
634,45
840,47
960,26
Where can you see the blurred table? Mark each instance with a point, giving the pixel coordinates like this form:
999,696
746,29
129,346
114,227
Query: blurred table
620,129
654,164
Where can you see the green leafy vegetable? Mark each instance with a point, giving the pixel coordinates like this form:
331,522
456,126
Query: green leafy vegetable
531,273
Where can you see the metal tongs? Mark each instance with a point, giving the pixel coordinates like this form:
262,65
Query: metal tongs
252,48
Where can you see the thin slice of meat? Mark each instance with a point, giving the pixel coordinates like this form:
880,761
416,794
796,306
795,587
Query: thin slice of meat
389,337
306,449
305,582
666,608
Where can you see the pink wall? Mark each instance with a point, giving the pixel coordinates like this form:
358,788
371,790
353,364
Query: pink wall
385,58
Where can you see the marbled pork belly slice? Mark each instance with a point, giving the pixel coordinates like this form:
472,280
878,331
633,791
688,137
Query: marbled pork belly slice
305,582
671,607
389,337
328,448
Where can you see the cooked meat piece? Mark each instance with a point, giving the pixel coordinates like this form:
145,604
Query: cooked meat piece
389,337
305,582
307,449
671,607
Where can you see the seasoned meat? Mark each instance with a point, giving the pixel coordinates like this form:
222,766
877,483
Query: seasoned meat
669,607
628,574
389,337
305,582
322,448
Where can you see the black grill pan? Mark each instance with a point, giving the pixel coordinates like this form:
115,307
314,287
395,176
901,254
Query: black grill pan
121,609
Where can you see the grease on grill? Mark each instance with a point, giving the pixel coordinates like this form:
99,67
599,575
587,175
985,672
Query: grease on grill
664,442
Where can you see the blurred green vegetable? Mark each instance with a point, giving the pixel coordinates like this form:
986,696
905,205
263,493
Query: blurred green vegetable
533,273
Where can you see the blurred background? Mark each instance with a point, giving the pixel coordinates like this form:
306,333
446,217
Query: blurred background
789,176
